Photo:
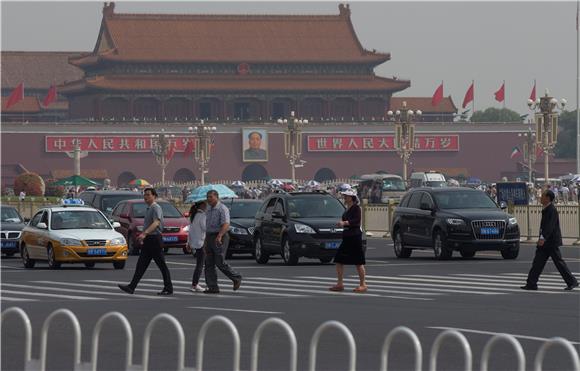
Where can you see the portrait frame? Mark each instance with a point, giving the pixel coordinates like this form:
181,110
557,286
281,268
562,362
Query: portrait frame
260,154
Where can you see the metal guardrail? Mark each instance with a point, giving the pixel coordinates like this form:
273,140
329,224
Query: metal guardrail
40,364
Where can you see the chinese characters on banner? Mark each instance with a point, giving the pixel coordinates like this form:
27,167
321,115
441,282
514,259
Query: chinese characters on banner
109,143
379,143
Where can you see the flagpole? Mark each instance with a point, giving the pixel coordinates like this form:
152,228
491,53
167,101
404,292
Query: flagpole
473,101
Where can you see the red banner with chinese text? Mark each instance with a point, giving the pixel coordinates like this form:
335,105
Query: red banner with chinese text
110,143
379,143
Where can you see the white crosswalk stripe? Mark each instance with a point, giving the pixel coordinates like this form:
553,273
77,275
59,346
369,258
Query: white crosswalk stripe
398,287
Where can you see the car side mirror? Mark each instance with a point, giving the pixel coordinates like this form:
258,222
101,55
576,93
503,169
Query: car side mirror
277,214
425,206
41,226
503,205
116,224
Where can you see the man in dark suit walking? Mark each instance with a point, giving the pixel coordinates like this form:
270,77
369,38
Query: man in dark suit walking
549,246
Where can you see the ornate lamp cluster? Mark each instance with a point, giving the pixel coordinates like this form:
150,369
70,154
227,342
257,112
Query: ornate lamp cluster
293,141
161,145
203,141
404,120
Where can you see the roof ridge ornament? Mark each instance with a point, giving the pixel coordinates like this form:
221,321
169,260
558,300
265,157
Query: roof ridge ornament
108,9
344,10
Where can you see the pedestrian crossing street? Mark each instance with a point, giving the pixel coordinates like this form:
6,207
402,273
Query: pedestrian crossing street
420,287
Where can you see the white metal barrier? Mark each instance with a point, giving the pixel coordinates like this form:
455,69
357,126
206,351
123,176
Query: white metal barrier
32,364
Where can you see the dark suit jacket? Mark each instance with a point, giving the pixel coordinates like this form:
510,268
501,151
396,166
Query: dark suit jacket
550,227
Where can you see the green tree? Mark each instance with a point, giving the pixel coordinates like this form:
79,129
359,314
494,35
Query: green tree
566,146
496,115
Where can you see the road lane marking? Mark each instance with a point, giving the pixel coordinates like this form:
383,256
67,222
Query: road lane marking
495,333
4,298
73,297
450,283
236,310
551,281
486,280
424,286
119,293
245,291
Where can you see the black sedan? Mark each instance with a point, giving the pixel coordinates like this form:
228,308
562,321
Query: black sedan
11,226
242,223
448,219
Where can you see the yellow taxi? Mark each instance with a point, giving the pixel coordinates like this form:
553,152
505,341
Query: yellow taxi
72,234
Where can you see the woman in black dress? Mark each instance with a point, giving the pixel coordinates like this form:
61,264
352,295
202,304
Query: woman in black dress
350,251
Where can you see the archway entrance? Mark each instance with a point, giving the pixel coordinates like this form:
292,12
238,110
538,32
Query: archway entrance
324,174
254,172
183,175
125,178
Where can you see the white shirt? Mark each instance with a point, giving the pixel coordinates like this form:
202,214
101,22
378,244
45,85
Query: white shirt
196,234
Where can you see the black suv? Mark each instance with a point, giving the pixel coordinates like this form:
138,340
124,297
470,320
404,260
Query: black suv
107,200
242,223
447,219
298,224
11,225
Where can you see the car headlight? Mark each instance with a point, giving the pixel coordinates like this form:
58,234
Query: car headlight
186,228
70,242
512,221
236,230
140,228
118,241
455,221
303,228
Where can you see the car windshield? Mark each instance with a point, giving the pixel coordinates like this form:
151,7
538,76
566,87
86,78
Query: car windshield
436,183
464,200
243,209
109,202
10,215
393,184
169,211
315,207
85,219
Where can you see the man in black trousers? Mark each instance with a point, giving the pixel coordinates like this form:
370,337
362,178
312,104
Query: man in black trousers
549,246
152,245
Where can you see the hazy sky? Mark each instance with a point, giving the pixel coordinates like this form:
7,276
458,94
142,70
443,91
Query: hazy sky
429,41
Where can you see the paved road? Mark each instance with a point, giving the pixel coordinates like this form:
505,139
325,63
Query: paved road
479,296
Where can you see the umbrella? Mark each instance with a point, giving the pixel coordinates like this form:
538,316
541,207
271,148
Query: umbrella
139,182
312,183
76,180
344,187
238,183
200,193
288,187
452,182
275,182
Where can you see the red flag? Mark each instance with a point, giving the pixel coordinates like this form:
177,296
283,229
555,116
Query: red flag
468,96
500,94
533,93
170,152
16,96
437,96
50,96
188,148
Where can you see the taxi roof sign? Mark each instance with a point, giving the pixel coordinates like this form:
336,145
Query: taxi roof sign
72,202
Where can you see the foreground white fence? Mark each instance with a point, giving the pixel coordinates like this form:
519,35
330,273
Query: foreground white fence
79,365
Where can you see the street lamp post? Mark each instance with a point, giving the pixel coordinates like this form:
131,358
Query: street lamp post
202,139
529,150
161,146
293,142
546,125
404,133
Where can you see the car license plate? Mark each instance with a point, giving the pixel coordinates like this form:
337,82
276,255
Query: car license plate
97,251
170,239
332,245
9,244
489,231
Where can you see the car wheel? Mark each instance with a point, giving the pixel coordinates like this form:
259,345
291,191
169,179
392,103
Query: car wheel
119,264
28,263
442,252
401,251
260,255
511,253
133,249
467,253
90,264
325,260
52,263
288,256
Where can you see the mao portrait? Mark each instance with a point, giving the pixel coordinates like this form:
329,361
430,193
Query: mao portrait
255,145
